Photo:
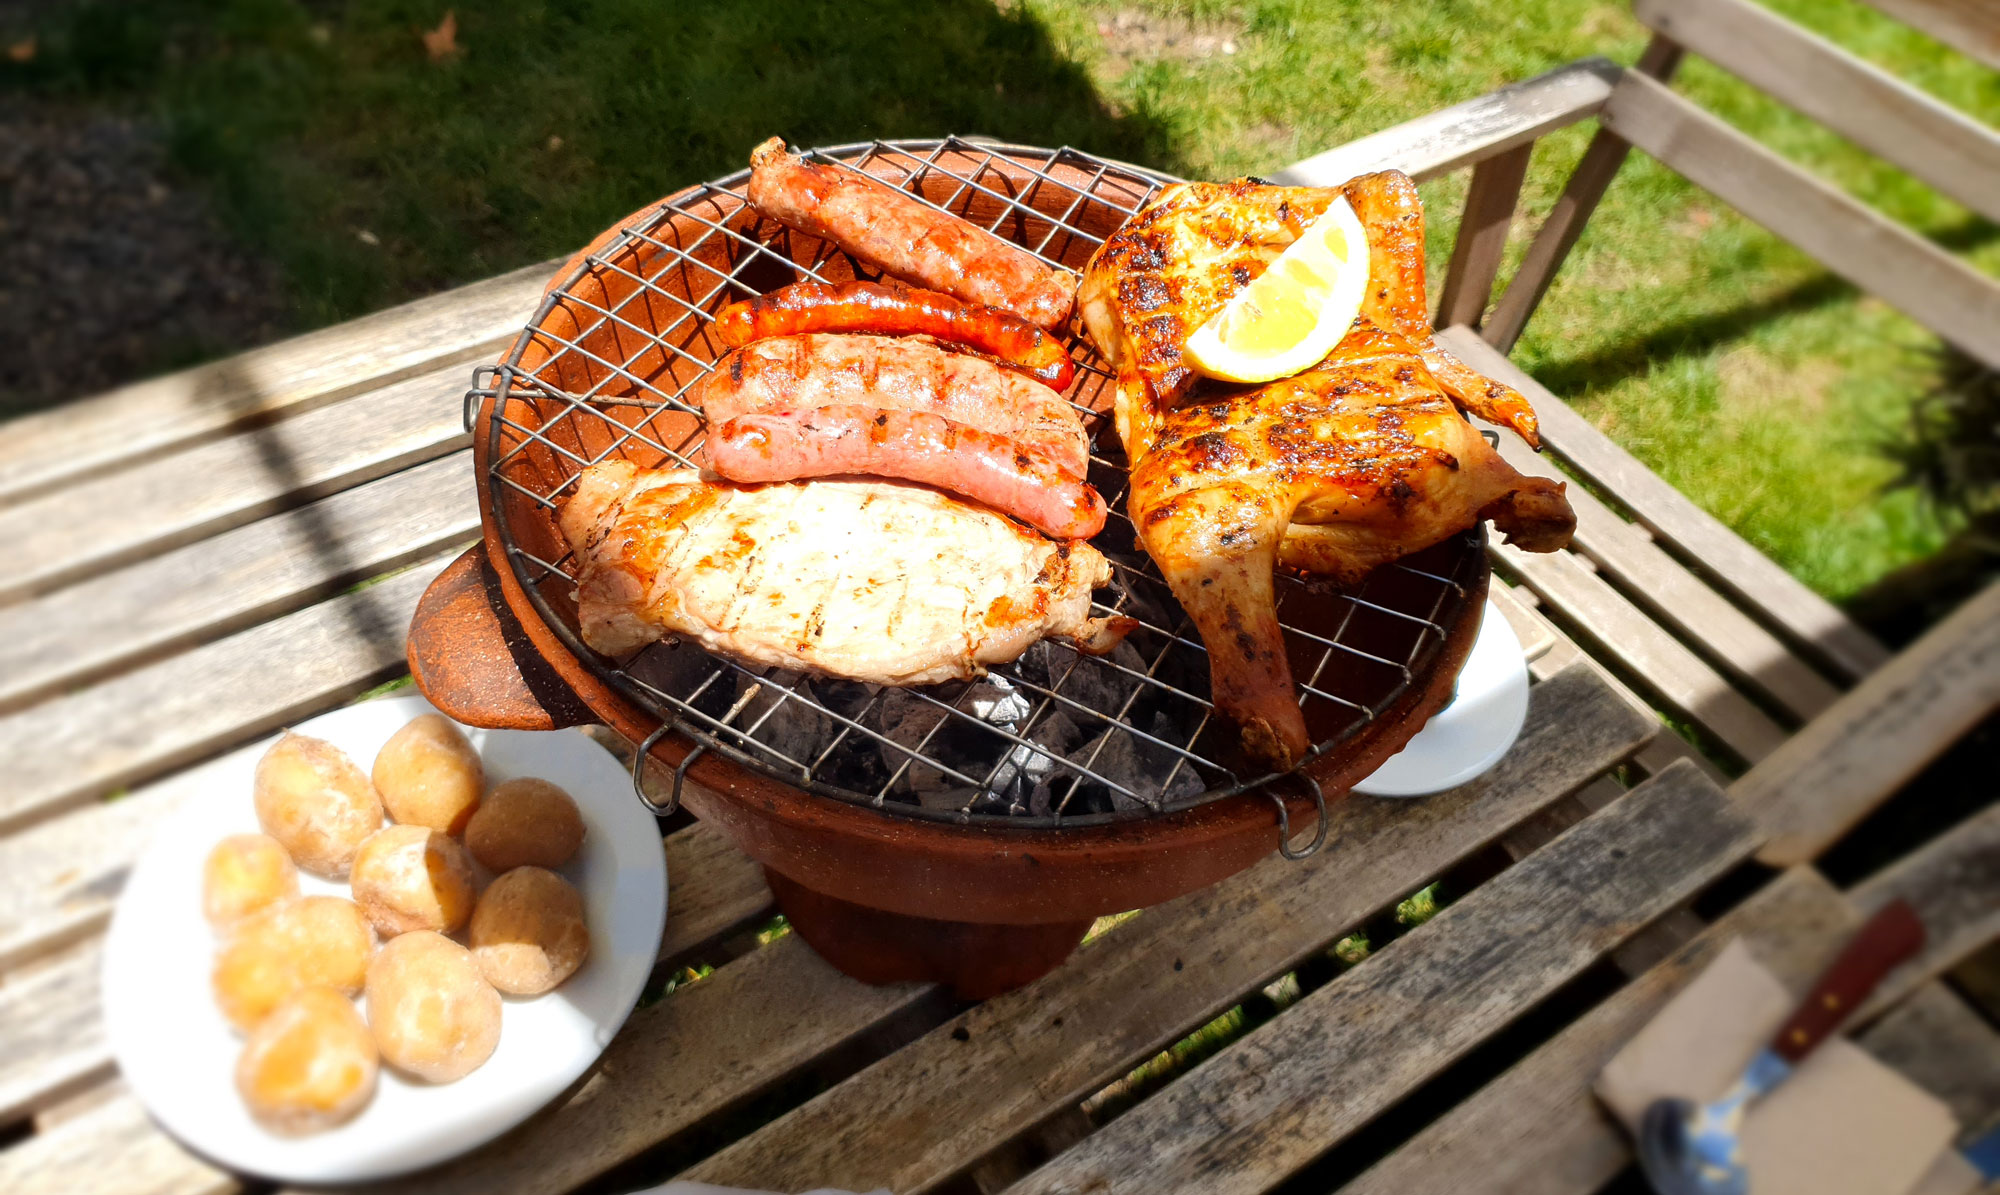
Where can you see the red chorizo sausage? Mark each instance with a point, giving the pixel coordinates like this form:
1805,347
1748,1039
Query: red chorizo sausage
913,446
892,309
899,235
797,373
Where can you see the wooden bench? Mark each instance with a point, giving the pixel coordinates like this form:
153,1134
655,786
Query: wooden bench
194,549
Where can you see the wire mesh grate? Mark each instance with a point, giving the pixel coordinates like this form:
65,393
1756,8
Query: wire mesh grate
1055,737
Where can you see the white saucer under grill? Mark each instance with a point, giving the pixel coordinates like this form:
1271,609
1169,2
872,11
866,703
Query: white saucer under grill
1488,707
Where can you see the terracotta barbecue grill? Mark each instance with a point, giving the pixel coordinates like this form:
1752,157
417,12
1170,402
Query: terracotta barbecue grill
971,832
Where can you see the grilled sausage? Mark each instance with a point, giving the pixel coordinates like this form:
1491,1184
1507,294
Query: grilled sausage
892,309
798,373
914,446
900,235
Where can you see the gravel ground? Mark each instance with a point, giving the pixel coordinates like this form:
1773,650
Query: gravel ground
109,269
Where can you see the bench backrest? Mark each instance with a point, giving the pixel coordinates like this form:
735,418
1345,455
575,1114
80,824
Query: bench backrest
1870,107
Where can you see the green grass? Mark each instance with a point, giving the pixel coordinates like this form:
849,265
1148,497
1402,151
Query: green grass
1728,362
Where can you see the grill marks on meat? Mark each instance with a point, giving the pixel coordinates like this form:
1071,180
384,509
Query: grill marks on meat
901,236
800,373
914,446
1345,467
892,309
871,581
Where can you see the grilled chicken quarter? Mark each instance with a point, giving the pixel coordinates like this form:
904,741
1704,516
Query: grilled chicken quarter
1346,466
871,581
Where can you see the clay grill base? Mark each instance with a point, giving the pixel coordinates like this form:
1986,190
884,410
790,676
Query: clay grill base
977,962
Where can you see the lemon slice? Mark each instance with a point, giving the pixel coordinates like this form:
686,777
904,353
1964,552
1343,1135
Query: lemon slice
1292,314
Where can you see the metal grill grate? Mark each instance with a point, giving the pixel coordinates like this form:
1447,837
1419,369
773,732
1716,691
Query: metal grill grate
1054,737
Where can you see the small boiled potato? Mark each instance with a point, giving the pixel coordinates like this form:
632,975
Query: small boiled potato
528,932
522,823
429,775
412,877
244,874
310,1065
315,941
316,803
433,1013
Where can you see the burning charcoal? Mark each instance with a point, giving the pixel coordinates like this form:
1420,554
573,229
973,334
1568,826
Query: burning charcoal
1097,684
678,667
1137,764
782,709
1027,772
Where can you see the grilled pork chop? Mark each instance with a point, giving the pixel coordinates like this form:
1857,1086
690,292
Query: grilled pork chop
1356,462
871,581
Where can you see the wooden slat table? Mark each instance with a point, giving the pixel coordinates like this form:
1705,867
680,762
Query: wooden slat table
191,556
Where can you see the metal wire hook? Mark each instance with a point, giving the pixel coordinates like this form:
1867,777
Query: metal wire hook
1285,820
639,758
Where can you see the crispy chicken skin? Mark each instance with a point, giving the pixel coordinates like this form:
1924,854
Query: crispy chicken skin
901,236
1352,464
871,581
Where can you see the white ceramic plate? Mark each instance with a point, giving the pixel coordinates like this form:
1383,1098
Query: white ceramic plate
1489,705
179,1054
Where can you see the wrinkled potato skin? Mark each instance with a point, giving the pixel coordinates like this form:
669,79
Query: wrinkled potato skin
525,823
316,803
315,941
429,775
528,932
245,874
310,1065
409,878
433,1013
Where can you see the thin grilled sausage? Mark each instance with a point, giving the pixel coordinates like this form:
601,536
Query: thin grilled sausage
913,446
798,373
899,235
892,309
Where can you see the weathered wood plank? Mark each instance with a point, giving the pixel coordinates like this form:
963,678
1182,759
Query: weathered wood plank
217,585
1728,638
1971,27
1814,623
1809,791
456,328
707,1047
51,1031
1490,201
1659,661
1937,1042
714,890
1443,141
926,1113
163,503
59,878
138,725
1953,881
1558,1139
1283,1094
1849,238
114,1150
1860,101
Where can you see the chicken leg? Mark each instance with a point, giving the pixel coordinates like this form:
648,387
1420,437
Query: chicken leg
1358,461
